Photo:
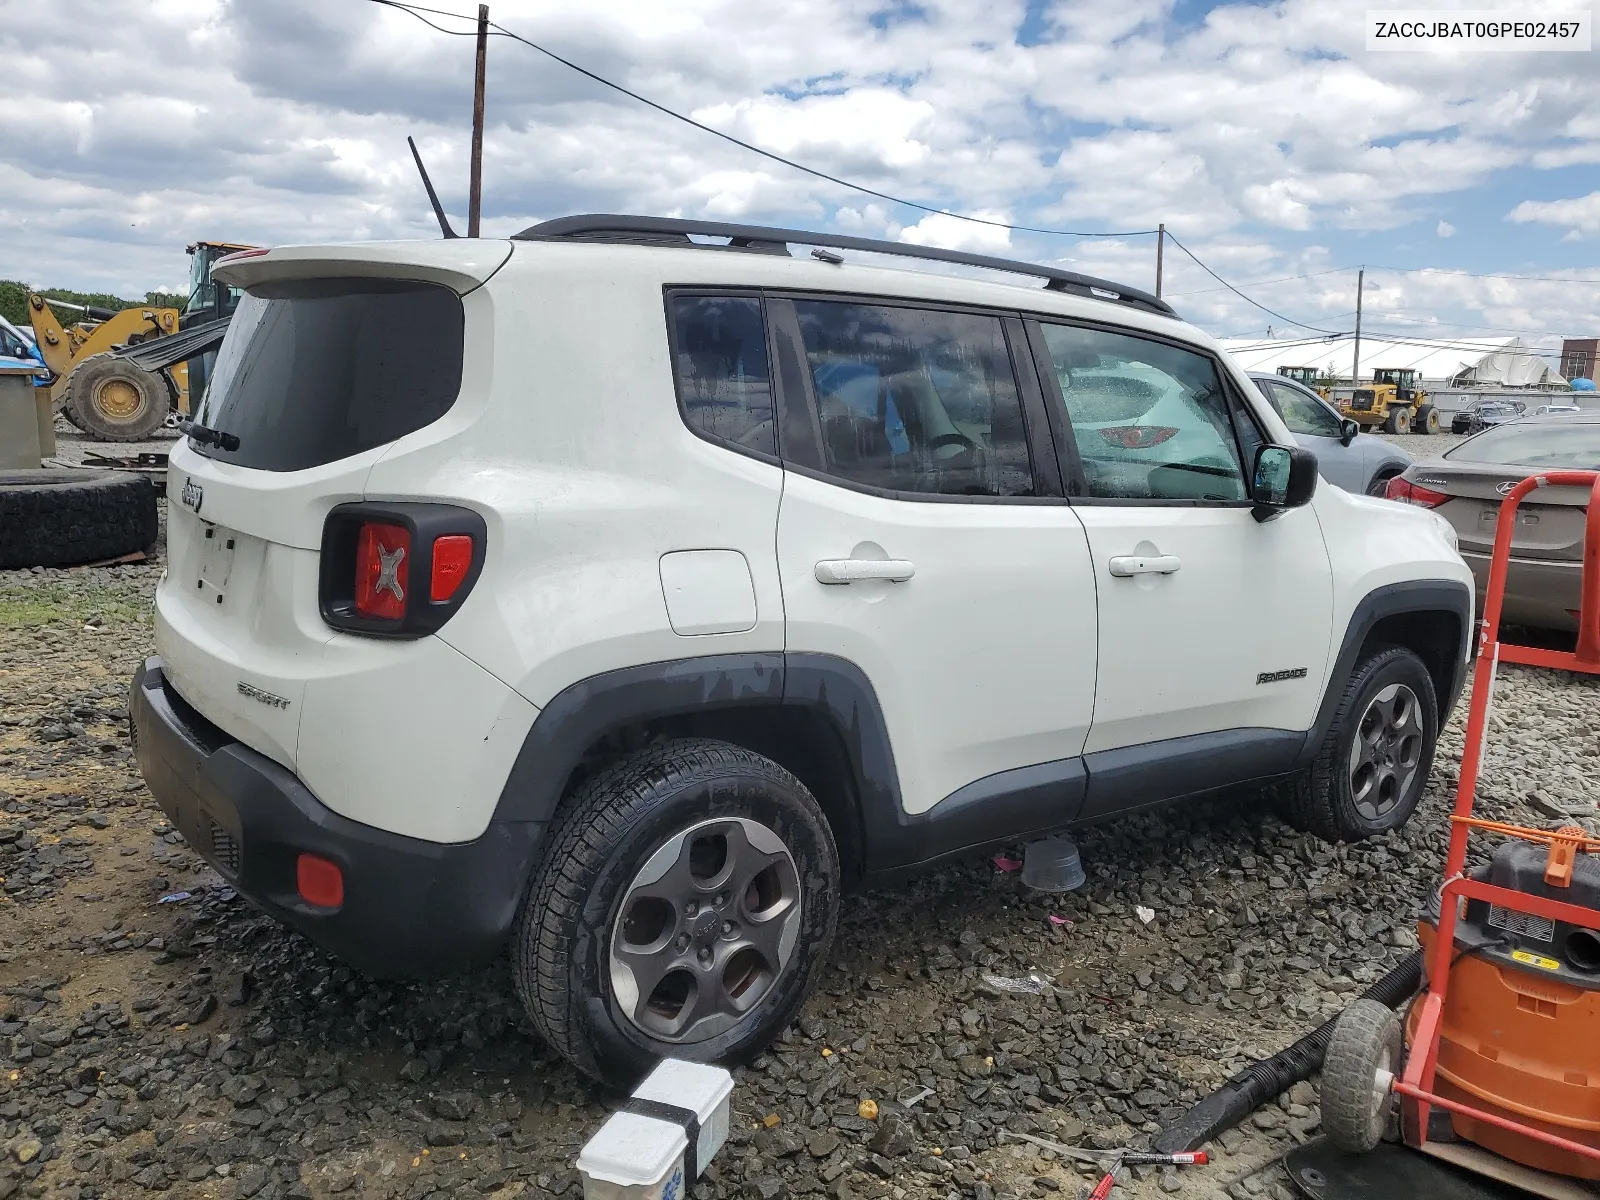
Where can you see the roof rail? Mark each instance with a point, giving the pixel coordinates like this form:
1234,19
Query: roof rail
761,239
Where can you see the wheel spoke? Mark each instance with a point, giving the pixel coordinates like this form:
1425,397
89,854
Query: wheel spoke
647,967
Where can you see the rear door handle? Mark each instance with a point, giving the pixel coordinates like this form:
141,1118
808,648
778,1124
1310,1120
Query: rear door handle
858,570
1138,564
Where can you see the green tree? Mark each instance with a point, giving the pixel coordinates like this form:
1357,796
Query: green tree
14,300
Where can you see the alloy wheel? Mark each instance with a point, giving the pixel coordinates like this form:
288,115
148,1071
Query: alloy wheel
705,929
1386,751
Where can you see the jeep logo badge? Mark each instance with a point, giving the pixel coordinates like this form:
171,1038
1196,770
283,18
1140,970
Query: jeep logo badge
191,495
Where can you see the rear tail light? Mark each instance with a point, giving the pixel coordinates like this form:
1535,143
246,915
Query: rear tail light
382,570
319,881
1137,437
1402,489
398,570
452,559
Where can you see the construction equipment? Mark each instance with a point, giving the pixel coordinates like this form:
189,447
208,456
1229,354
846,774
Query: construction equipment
1308,377
1394,401
112,398
1499,1052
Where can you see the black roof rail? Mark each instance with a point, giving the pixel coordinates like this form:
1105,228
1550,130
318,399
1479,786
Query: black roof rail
761,239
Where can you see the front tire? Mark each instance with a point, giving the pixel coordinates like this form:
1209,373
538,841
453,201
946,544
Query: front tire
683,908
1374,761
1426,420
111,399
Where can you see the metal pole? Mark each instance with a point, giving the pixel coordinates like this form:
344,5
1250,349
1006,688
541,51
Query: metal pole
1161,245
1355,370
475,191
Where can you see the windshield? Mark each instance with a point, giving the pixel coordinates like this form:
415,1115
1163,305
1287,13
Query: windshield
321,369
1553,444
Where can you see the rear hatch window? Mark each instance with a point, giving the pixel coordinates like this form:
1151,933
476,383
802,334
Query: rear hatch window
317,370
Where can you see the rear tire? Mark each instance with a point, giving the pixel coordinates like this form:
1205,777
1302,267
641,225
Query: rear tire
58,518
1398,421
1374,761
111,399
1380,484
1364,1055
617,970
1426,420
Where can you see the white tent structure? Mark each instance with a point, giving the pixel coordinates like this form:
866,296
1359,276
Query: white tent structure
1439,363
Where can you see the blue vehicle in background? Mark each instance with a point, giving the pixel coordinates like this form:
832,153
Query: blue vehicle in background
18,345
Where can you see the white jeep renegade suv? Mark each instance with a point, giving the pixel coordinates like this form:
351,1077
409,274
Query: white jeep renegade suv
625,595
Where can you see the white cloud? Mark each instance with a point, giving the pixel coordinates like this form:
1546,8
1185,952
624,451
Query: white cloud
1578,216
1260,129
1444,229
948,233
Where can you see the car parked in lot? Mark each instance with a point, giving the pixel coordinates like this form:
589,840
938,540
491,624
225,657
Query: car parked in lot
1482,414
623,598
1560,408
1467,484
1346,457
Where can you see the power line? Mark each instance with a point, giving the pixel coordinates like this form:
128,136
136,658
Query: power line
417,10
1241,295
1258,282
1481,275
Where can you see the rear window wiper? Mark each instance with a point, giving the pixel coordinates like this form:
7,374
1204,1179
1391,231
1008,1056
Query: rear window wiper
209,437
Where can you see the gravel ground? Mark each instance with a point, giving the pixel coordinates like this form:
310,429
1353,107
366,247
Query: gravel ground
197,1049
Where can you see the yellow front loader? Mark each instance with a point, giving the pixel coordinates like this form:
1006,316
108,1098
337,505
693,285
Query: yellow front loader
107,395
100,393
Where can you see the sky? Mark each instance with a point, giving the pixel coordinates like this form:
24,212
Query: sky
1264,135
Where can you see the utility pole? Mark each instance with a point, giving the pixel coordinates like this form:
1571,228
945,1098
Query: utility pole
1161,245
475,187
1361,286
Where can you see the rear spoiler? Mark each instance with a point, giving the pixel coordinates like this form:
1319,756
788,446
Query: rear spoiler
168,351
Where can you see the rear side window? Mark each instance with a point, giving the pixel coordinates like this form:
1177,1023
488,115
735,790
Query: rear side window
317,370
719,347
916,400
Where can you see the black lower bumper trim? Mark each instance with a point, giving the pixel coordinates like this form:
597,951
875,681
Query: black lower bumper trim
411,907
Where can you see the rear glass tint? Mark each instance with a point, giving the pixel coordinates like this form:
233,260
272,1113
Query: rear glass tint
317,370
1570,444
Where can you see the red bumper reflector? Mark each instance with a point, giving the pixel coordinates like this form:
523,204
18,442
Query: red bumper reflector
452,558
319,881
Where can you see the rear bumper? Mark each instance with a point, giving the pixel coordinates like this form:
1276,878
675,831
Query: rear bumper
1538,593
411,907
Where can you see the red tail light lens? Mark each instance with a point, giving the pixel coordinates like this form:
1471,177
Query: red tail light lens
383,571
452,559
1402,489
319,881
1137,437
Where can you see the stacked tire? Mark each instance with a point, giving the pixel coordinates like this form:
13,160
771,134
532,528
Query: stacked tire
64,517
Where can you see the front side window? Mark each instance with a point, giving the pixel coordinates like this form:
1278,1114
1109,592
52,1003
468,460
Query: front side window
1300,412
720,360
916,400
1151,420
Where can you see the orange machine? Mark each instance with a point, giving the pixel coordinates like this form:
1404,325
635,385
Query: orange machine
1502,1048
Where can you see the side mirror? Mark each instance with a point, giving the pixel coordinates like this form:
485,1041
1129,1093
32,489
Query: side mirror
1284,477
1347,432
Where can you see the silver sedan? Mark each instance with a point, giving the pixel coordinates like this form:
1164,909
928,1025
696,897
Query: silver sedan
1346,457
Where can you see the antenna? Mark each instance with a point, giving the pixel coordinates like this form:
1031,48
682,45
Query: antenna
433,197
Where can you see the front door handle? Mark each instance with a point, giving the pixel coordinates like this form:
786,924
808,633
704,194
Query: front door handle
1127,565
858,570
